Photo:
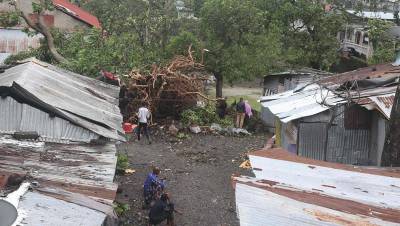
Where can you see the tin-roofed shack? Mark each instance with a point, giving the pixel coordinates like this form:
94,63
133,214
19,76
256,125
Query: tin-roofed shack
57,133
287,80
342,118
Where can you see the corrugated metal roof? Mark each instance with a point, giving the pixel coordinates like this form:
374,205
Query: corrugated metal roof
297,104
43,210
384,104
77,12
291,190
81,100
371,72
373,15
372,82
303,71
13,41
79,166
17,117
75,182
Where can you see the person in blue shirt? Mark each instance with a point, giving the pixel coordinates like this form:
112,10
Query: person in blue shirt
153,187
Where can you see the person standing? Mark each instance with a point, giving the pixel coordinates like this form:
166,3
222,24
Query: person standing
221,107
143,117
248,112
240,113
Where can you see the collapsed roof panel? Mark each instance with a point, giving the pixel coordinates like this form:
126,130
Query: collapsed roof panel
83,101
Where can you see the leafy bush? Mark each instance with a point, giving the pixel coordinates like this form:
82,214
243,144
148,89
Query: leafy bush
204,116
121,208
122,163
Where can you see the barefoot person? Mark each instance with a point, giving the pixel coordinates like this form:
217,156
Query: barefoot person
162,210
143,117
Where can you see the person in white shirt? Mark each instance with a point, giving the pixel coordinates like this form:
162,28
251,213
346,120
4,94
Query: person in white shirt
143,117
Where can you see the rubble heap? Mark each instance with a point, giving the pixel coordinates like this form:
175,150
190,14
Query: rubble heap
166,90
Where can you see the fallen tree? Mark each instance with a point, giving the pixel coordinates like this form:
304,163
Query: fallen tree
168,90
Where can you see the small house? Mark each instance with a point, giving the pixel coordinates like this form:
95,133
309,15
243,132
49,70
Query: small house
58,159
342,118
283,81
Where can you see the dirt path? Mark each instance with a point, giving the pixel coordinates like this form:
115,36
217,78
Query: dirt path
198,172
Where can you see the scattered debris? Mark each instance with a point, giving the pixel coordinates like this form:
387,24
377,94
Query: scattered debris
130,171
245,165
195,129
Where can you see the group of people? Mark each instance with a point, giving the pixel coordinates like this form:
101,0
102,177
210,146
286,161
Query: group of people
161,207
243,111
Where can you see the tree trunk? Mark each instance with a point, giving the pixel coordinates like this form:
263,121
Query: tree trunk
391,151
41,27
220,83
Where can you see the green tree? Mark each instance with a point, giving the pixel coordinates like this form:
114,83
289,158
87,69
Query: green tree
40,8
309,32
238,44
383,44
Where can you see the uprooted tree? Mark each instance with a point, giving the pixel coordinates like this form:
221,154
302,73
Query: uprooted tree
166,90
36,22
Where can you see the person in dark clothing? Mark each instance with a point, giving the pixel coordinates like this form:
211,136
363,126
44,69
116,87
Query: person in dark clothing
221,107
152,186
162,210
240,113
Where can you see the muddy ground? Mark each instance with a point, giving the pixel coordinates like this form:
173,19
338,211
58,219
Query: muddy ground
198,171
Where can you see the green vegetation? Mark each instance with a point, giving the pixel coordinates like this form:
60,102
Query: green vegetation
182,136
122,163
121,208
204,117
384,45
240,39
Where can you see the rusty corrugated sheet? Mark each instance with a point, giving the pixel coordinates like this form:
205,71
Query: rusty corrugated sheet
84,169
14,41
327,193
375,71
81,175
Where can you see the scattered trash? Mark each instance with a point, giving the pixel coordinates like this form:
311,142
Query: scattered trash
195,129
216,127
245,165
240,131
130,171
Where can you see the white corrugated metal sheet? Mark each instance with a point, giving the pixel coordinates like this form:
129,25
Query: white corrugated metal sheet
291,190
373,15
296,104
17,117
43,210
83,101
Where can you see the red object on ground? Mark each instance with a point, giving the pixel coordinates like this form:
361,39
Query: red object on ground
77,12
128,127
110,75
